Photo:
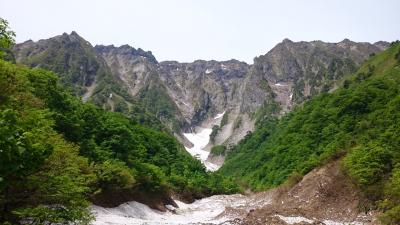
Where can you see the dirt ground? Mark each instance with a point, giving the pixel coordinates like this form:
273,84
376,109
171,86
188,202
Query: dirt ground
324,196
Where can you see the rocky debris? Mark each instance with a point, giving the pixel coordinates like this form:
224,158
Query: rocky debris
324,196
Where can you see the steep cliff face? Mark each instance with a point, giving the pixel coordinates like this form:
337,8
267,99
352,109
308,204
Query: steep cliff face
295,71
133,67
138,70
203,89
189,95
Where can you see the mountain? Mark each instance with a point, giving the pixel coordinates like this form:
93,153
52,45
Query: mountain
295,71
80,68
355,125
187,97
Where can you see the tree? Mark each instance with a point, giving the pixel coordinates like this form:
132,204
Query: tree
7,39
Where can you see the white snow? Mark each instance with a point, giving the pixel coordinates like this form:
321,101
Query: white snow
208,71
299,219
206,210
331,222
291,96
294,219
186,104
219,115
200,141
280,84
209,210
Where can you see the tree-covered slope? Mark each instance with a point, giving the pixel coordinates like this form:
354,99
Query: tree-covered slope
58,154
359,121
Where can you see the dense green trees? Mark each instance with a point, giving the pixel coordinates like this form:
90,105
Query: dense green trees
359,123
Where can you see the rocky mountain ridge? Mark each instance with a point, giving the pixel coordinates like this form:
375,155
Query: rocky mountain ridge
187,96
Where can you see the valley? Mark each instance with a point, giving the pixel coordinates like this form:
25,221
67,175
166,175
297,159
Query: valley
308,134
184,96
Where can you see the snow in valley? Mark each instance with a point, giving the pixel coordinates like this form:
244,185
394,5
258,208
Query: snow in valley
200,140
211,210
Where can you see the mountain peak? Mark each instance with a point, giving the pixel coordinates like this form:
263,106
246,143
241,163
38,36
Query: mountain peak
346,41
287,41
126,50
73,33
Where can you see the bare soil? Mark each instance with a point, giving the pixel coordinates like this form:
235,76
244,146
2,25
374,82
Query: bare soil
323,196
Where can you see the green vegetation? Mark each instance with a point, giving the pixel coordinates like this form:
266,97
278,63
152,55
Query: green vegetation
358,123
7,39
237,123
217,128
214,133
224,119
57,153
218,150
154,98
76,63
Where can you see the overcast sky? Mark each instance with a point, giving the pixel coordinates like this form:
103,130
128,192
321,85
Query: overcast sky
186,30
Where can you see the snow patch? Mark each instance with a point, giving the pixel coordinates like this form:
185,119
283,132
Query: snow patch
294,219
208,71
206,210
219,115
280,84
331,222
299,219
200,141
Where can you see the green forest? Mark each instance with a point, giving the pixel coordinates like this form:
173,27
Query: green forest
359,123
57,154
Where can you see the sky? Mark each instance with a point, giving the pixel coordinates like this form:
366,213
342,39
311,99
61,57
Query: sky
186,30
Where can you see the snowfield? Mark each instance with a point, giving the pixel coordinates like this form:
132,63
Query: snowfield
200,140
207,210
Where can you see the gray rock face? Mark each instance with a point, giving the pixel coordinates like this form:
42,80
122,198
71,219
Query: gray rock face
133,67
295,71
203,89
185,95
